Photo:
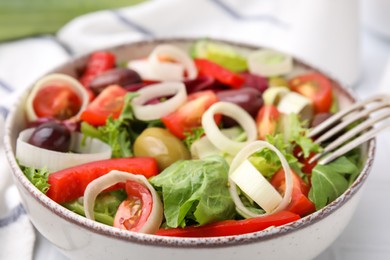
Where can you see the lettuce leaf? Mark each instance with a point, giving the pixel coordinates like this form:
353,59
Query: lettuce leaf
294,135
106,205
38,177
120,133
331,180
195,192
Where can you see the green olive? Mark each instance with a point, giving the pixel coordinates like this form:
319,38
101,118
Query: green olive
162,145
277,82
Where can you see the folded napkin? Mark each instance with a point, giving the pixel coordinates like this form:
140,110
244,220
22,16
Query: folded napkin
21,63
319,32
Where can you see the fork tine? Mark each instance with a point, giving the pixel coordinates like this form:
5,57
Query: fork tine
360,115
356,142
349,134
336,117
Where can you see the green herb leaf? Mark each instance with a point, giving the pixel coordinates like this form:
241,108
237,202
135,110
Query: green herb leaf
118,133
268,163
38,177
195,191
296,133
194,135
330,181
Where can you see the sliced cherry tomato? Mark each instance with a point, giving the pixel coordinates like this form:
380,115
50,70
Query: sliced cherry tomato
69,184
190,114
133,212
225,76
57,101
266,121
232,227
300,204
317,88
109,103
97,63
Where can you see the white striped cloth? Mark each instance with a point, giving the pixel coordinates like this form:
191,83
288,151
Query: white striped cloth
318,31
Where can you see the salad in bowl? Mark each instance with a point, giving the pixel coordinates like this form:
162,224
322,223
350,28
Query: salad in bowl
199,142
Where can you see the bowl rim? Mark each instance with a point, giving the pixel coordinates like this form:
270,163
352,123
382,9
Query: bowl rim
154,240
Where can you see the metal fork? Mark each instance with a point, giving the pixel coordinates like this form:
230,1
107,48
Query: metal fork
375,115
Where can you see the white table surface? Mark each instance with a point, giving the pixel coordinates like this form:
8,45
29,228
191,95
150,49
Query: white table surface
368,234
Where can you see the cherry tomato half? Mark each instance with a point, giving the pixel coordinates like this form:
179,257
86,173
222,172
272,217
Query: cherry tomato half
109,103
190,114
133,212
57,101
266,121
300,203
317,88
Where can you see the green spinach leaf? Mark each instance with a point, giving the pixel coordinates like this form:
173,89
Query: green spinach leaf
330,181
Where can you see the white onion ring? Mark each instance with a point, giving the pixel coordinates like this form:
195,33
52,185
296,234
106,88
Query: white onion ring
257,63
56,79
113,177
157,111
37,157
176,54
214,134
242,156
162,71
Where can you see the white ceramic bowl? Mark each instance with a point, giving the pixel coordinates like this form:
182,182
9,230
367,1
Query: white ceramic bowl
80,238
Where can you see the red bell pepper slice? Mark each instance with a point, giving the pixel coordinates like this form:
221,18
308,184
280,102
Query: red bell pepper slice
70,184
300,203
97,63
232,227
225,76
134,212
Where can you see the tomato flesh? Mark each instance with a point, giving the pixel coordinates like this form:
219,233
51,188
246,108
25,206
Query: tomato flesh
317,88
133,212
56,101
266,121
190,114
300,203
109,103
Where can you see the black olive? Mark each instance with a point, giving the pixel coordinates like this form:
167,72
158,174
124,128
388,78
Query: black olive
52,136
117,76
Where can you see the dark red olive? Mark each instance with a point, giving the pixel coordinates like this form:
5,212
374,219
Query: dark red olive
52,136
255,81
118,76
249,99
200,83
319,118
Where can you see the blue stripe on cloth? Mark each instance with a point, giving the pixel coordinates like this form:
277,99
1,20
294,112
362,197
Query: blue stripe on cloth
125,20
236,15
5,86
67,49
13,216
60,44
3,111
